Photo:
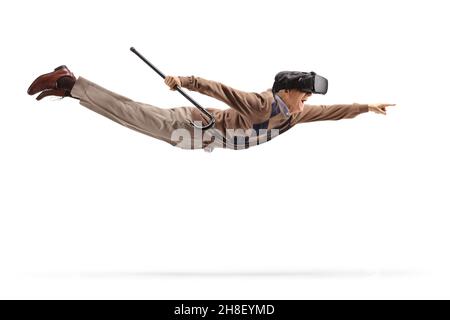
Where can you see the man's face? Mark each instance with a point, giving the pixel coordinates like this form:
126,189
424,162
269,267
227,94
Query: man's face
296,100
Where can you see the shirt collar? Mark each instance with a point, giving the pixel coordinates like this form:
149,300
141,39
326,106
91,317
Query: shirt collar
283,106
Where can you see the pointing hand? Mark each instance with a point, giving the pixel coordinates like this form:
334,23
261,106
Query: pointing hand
380,107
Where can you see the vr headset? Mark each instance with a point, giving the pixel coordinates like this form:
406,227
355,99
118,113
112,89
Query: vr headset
303,81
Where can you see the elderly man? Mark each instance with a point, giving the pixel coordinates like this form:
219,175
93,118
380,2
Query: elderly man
253,118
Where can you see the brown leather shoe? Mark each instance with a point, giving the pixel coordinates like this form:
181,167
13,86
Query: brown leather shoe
48,83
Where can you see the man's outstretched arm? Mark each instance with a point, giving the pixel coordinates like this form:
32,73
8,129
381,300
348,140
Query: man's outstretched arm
338,111
246,103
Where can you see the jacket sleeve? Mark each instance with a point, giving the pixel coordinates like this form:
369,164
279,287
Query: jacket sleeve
330,112
246,103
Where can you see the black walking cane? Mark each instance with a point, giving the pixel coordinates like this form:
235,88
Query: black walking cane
212,120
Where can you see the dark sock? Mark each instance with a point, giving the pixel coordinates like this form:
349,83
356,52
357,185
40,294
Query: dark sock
66,83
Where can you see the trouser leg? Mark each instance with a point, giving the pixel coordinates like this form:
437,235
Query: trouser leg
156,122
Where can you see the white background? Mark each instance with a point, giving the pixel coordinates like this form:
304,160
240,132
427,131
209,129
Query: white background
338,209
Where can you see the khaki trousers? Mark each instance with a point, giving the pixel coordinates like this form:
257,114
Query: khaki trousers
156,122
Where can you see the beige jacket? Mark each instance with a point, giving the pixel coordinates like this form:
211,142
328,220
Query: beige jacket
258,111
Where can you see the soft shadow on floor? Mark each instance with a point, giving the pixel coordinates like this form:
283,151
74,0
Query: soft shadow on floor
322,273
